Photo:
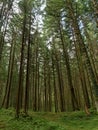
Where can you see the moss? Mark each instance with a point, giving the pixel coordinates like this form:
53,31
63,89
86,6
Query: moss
48,121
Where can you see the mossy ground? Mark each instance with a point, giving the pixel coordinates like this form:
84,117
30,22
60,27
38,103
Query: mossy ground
48,121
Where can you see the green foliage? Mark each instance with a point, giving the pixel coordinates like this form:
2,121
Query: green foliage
48,121
26,5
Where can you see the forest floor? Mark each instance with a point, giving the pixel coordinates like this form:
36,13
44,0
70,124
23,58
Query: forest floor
48,121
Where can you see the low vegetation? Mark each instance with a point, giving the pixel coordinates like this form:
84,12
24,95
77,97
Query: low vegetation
48,121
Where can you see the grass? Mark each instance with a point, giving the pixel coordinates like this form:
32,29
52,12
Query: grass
48,121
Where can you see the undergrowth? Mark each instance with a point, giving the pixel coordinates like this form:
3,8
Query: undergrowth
48,121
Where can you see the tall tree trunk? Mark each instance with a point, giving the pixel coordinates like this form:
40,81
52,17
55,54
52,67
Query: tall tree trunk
83,50
5,11
61,87
45,86
50,90
55,88
73,96
26,105
5,102
18,105
82,75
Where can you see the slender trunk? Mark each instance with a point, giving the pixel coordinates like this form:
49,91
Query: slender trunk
83,50
82,76
26,105
62,100
55,89
45,88
5,102
50,90
21,68
73,96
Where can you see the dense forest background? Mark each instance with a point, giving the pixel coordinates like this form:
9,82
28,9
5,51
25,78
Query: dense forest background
49,55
